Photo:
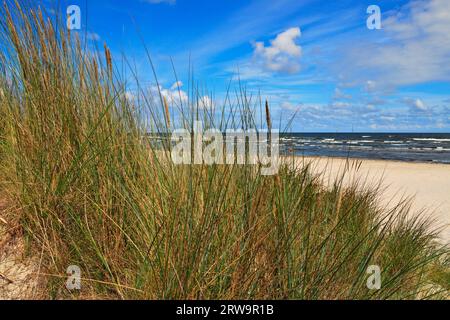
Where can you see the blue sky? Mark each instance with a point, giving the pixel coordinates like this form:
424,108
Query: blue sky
314,56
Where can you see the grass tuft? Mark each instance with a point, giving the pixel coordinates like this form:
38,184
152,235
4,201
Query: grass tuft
79,158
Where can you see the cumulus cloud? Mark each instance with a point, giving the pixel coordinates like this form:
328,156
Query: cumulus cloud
177,85
283,53
174,95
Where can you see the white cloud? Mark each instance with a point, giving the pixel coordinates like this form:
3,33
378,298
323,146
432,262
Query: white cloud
130,96
376,101
339,94
289,106
412,48
370,85
174,95
283,54
205,102
176,85
340,104
416,104
420,105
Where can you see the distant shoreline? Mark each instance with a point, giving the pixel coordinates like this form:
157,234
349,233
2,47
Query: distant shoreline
350,158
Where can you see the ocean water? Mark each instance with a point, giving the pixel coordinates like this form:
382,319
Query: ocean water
417,147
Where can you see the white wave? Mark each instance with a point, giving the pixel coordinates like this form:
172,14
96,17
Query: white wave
431,139
360,141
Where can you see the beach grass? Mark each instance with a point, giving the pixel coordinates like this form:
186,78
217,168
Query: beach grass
94,190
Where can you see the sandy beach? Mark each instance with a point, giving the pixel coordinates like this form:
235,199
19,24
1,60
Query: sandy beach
428,183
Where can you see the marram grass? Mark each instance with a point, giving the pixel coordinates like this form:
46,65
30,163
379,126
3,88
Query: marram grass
95,191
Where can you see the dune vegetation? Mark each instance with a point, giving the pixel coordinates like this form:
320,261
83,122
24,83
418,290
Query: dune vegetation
88,186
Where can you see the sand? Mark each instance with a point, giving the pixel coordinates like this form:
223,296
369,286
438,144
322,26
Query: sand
18,271
429,183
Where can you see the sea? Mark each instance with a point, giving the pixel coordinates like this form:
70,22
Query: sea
411,147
